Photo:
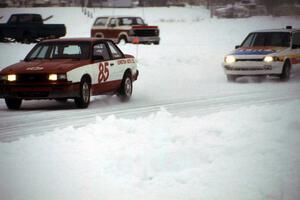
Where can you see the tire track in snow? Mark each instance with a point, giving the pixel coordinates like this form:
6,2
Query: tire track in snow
42,122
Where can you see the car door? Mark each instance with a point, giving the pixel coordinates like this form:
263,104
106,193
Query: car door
296,49
105,75
118,63
113,29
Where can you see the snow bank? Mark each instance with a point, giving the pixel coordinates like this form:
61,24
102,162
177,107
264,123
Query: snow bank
250,153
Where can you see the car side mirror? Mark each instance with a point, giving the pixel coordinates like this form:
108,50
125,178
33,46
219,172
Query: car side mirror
98,57
237,46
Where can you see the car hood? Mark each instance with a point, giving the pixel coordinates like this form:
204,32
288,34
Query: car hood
44,66
260,51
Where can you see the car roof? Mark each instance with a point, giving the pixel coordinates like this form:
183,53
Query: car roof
26,14
92,40
284,30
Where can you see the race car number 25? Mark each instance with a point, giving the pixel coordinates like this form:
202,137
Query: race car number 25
103,72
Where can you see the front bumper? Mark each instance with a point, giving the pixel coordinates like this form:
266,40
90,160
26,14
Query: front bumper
253,68
152,39
39,90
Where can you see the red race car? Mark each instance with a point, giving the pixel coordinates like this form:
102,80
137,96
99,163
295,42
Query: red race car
64,69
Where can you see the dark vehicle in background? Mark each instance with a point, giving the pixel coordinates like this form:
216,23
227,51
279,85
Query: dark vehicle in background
29,28
125,28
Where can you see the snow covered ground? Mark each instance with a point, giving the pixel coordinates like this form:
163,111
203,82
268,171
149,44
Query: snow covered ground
185,134
250,153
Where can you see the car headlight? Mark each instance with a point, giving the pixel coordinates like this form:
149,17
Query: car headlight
55,77
268,59
11,77
230,59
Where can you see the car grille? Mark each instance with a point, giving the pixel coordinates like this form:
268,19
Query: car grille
146,33
32,78
248,68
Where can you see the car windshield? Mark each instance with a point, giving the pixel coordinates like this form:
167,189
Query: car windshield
65,50
131,21
276,39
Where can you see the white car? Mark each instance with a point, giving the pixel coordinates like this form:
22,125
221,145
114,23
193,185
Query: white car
265,52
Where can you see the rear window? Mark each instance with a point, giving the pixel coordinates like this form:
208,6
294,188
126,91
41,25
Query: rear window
276,39
25,19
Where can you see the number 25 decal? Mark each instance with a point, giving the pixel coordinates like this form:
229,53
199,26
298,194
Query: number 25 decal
103,72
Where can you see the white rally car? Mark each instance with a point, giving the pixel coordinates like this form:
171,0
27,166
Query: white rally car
73,68
265,52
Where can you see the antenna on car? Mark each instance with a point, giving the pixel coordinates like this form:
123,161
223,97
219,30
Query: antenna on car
289,27
47,18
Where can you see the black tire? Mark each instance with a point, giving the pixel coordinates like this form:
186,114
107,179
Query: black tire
286,71
85,94
27,39
122,38
125,91
1,37
156,43
231,78
13,103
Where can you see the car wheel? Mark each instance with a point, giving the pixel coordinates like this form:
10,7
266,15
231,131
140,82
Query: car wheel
125,91
1,37
286,71
13,103
122,40
231,78
27,39
85,93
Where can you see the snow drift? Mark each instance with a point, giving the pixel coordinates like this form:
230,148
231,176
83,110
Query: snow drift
250,153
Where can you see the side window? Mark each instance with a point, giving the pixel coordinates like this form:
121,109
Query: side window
113,22
26,19
296,40
72,49
115,52
126,21
100,50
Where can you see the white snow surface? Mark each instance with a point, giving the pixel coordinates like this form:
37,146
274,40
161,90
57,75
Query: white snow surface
186,133
250,153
